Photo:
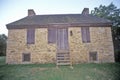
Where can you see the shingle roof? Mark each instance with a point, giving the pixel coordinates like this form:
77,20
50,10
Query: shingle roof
59,18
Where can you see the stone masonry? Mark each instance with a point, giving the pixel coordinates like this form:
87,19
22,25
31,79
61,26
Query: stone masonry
42,52
101,42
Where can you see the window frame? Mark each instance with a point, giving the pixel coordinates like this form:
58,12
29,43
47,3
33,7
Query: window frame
85,34
31,36
52,35
93,54
24,55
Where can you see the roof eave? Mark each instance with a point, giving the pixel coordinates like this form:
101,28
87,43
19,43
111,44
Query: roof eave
60,25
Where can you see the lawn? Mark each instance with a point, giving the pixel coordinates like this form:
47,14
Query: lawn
90,71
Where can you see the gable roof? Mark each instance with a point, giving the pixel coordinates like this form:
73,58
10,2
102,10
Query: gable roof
70,19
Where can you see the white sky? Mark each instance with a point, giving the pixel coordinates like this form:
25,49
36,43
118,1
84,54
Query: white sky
12,10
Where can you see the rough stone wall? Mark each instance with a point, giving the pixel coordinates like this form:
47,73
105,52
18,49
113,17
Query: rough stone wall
41,51
101,42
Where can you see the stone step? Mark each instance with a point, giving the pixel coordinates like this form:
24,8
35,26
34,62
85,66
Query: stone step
63,61
62,54
63,64
63,58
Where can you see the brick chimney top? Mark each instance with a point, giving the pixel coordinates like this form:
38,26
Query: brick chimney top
31,12
85,11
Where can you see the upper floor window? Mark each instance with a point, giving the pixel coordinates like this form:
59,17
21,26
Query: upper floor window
85,34
30,36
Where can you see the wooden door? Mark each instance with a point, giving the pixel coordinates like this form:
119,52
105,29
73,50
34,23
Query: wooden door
62,39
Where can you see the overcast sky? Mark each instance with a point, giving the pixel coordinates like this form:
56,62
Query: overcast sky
12,10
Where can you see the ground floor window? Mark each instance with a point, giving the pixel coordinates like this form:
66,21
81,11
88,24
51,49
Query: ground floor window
52,33
93,56
26,57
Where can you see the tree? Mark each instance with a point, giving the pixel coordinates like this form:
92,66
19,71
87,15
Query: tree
112,13
3,41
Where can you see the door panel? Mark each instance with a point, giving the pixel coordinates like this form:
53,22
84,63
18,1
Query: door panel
62,39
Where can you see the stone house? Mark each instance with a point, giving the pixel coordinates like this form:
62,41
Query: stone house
61,38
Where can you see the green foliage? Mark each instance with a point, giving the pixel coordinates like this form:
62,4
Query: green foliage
3,41
90,71
117,55
109,12
112,13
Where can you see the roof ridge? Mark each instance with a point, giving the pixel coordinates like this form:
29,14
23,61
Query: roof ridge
58,14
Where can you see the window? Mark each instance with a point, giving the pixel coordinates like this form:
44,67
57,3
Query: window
31,36
85,34
26,57
52,33
93,56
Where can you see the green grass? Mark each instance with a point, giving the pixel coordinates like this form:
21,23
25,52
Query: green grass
90,71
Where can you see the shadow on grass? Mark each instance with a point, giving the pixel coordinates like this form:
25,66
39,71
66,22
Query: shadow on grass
116,71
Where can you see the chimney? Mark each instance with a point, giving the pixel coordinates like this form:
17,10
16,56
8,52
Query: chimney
85,11
31,12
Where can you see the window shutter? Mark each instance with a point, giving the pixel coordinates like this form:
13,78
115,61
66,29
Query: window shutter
52,35
30,36
66,38
85,34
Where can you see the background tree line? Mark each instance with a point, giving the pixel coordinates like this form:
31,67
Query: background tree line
3,41
110,12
